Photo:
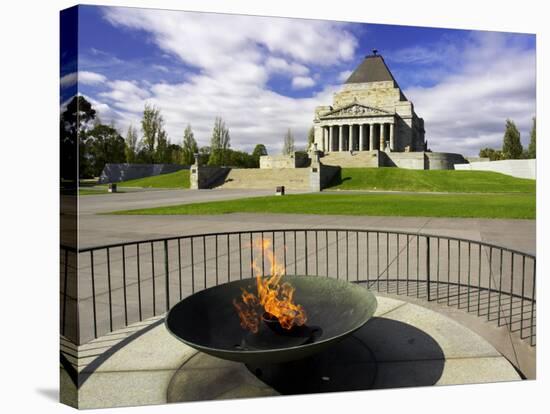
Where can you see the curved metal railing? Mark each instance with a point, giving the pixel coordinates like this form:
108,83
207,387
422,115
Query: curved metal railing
119,284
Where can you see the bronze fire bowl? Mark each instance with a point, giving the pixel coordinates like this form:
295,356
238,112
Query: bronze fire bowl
208,321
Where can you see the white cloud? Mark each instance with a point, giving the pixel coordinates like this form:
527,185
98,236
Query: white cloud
467,111
252,114
84,77
126,94
343,76
69,79
108,113
444,52
234,66
239,48
279,65
90,78
161,68
493,79
301,82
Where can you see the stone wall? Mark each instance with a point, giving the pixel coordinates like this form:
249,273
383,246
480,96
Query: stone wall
377,94
114,173
421,160
443,160
363,159
296,160
407,160
291,178
515,168
207,177
477,159
315,178
327,174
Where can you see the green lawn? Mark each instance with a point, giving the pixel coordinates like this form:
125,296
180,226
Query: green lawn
399,179
179,179
521,206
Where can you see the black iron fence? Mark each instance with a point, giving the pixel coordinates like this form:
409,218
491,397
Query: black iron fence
106,288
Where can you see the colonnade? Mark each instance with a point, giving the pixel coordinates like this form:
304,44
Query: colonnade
358,137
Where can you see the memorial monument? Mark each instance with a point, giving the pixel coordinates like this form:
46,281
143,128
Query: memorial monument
369,113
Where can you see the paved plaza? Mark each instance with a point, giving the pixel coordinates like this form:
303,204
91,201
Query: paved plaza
404,345
97,228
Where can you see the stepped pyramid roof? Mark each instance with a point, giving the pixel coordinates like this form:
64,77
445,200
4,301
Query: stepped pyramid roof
372,69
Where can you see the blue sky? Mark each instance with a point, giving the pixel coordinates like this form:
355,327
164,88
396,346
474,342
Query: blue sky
264,75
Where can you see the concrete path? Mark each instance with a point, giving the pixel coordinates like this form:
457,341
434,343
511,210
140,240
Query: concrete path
154,198
102,229
404,345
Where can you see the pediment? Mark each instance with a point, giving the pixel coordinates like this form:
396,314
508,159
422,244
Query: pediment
355,109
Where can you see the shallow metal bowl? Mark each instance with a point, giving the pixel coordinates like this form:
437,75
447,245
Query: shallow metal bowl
208,322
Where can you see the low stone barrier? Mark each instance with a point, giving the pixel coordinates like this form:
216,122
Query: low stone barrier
114,173
322,175
515,168
294,160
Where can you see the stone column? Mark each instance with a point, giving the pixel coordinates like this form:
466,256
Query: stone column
382,137
360,137
330,135
371,137
340,138
392,138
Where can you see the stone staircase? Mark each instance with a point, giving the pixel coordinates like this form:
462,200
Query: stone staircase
364,159
291,178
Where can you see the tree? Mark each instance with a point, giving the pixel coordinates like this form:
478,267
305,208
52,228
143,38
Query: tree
73,123
492,154
310,138
189,147
288,144
104,145
219,143
173,154
77,116
152,127
532,149
204,155
259,150
240,159
162,152
511,143
131,142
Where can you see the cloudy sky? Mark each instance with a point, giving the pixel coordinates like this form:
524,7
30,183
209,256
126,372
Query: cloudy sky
263,75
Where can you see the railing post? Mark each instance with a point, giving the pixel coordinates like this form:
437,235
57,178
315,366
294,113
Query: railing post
526,321
533,302
428,268
166,275
93,292
66,272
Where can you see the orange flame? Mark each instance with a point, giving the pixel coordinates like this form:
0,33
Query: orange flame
272,297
